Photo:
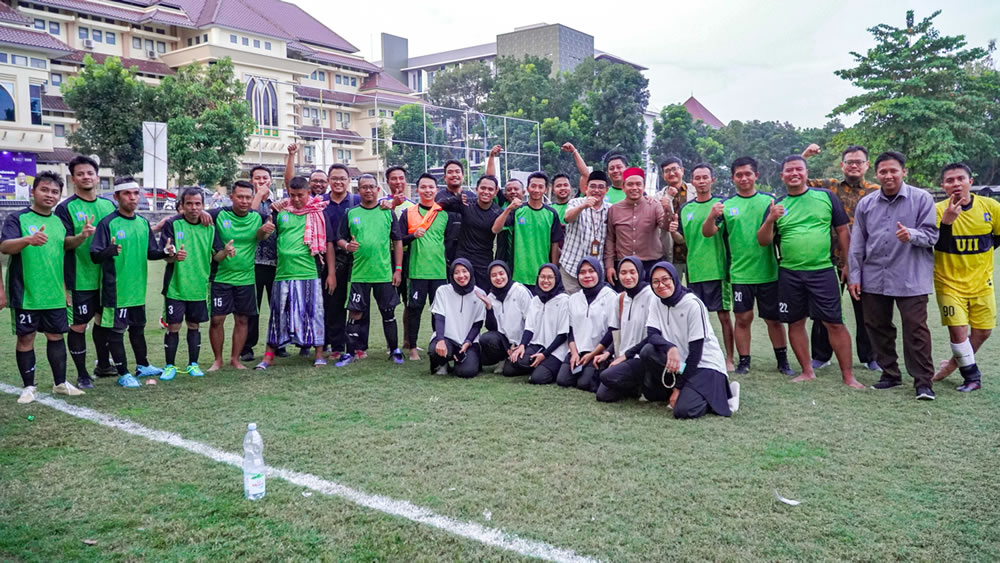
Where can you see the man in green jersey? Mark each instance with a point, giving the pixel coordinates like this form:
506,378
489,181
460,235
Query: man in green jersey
753,269
371,235
35,240
123,244
297,299
185,281
233,289
801,226
615,166
80,214
424,228
537,231
707,268
561,192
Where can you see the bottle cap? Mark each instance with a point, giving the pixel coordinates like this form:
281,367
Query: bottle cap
252,426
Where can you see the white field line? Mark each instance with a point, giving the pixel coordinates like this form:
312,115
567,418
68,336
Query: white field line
405,509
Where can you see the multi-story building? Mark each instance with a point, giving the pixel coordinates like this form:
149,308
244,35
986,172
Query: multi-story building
304,82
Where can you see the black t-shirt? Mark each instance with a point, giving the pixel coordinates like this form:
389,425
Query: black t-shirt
475,240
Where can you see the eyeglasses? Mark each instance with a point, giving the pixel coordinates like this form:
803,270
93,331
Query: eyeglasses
855,162
672,169
661,282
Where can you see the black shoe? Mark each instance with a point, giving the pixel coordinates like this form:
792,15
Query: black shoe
925,393
105,371
305,352
786,369
889,384
246,356
743,368
281,353
85,382
967,387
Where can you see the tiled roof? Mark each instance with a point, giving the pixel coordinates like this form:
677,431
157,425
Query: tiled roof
383,81
699,111
32,39
57,156
143,66
10,15
332,96
332,58
598,54
455,55
124,14
55,103
310,132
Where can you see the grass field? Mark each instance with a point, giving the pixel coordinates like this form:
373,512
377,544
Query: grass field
880,475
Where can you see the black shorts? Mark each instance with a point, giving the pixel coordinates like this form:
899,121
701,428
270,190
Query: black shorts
815,294
765,294
712,293
48,321
420,290
175,311
121,318
233,299
385,293
86,304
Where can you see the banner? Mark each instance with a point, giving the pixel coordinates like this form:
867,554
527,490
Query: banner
17,172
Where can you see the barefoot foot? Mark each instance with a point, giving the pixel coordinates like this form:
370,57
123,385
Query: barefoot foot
806,376
216,366
853,383
236,364
944,370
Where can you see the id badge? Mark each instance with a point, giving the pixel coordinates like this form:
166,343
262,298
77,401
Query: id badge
595,248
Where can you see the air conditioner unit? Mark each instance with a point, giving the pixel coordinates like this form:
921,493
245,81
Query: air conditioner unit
88,43
45,88
150,54
315,122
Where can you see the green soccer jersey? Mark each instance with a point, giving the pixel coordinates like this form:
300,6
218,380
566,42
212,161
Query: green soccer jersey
535,230
750,263
804,231
374,230
238,270
427,257
614,195
123,276
706,257
560,210
35,275
187,280
295,261
81,272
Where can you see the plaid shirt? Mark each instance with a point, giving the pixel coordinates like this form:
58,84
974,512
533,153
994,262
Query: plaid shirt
677,251
590,225
850,195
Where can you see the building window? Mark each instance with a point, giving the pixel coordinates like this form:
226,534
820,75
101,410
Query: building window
305,112
392,114
256,43
267,45
97,36
324,114
38,63
136,43
263,100
371,113
3,57
110,38
190,41
205,38
347,157
54,28
339,79
109,20
56,79
381,113
232,39
340,117
7,112
354,81
36,104
59,130
340,154
149,44
19,60
374,133
39,24
84,33
161,47
197,40
246,42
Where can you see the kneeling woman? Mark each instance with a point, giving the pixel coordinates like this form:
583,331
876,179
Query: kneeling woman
546,329
625,378
506,307
593,317
457,317
683,350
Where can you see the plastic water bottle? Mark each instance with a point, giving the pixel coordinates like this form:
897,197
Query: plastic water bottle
253,464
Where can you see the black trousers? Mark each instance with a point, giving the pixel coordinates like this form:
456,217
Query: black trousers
820,340
264,280
586,379
703,391
468,367
621,381
493,348
542,374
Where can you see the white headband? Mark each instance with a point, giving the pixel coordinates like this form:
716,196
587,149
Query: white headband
126,186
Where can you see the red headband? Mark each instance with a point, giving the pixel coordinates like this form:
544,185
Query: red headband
634,171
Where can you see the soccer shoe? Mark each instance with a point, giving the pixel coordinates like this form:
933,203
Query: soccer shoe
743,368
66,388
169,372
281,353
163,323
361,355
319,362
925,393
105,371
969,387
148,371
786,369
128,381
194,371
261,366
85,382
27,395
886,384
734,401
397,356
873,366
443,370
344,360
817,364
305,351
246,356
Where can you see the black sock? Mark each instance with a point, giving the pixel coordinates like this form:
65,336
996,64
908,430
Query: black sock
781,354
77,342
194,345
970,373
55,351
411,326
353,330
137,338
744,360
170,340
389,329
116,347
100,337
26,365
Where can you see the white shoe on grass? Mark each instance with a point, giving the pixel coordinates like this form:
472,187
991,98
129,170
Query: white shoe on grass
67,388
734,402
27,395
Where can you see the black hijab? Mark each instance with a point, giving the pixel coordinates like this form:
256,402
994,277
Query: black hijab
642,283
462,289
500,292
679,290
546,296
592,292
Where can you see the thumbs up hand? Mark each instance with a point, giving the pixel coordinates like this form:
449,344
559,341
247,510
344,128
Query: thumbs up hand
88,227
39,238
117,247
169,248
902,233
268,226
353,246
181,254
230,249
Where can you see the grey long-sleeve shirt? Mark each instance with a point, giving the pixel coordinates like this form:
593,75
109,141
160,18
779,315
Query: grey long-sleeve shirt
879,261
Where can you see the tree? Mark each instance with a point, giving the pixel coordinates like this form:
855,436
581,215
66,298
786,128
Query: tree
522,88
466,87
409,126
208,122
615,97
918,98
107,100
675,133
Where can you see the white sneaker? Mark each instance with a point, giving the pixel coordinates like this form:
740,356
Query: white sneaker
27,395
734,402
67,388
443,370
499,369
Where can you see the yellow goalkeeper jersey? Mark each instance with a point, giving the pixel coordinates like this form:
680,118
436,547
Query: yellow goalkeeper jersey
963,262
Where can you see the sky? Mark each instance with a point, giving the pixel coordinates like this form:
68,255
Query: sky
746,60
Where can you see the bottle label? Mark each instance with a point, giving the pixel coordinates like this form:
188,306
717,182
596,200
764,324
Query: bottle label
253,483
